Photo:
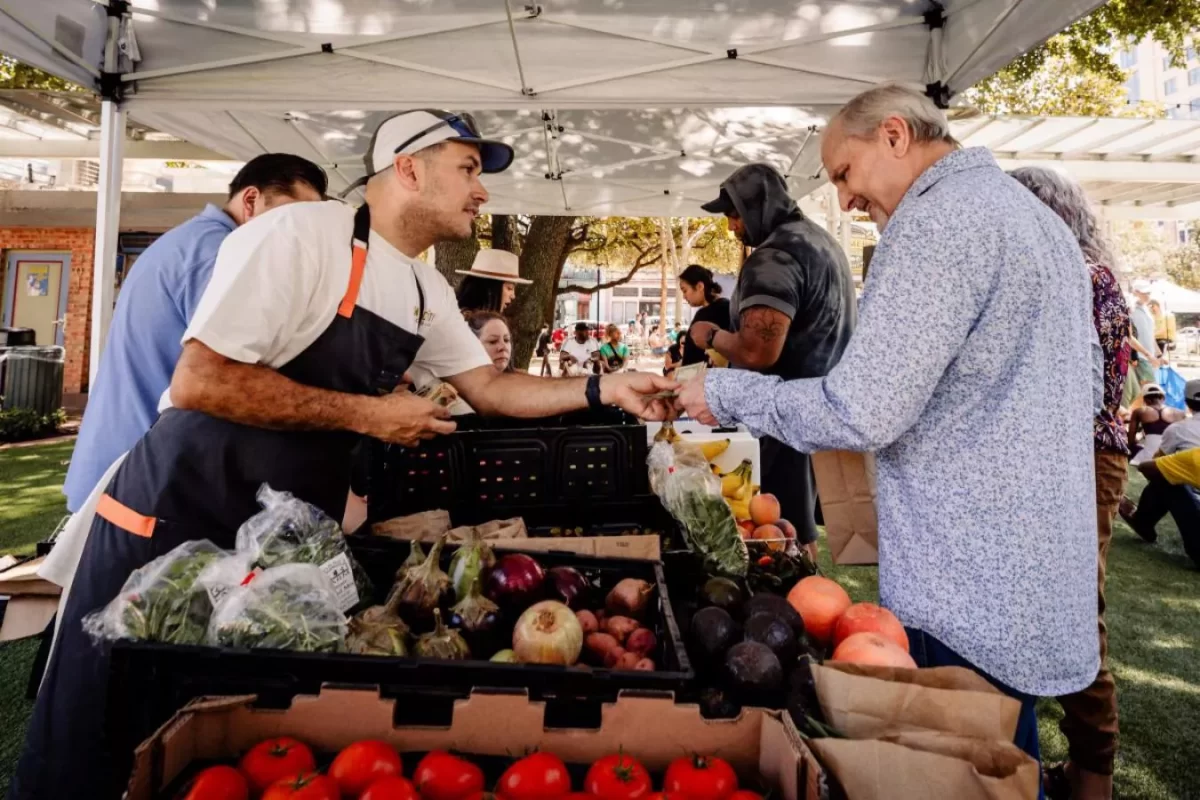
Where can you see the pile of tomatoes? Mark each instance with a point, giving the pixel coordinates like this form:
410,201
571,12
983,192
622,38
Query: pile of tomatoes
285,769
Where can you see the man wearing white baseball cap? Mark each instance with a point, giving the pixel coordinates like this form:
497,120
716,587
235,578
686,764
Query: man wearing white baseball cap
311,317
1142,341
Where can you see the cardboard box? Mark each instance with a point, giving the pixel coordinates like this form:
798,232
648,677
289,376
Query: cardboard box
23,579
27,615
742,444
846,486
653,729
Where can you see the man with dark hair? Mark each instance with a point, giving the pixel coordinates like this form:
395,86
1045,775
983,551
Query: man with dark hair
791,314
155,306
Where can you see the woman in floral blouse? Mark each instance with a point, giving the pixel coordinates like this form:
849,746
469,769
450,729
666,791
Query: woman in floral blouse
1090,716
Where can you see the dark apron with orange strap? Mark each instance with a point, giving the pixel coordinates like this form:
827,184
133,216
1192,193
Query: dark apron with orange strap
193,476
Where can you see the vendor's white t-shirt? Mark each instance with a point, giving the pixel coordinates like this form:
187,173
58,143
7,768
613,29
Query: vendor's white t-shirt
279,279
580,351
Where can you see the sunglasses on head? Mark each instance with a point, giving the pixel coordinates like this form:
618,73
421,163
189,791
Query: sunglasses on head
463,123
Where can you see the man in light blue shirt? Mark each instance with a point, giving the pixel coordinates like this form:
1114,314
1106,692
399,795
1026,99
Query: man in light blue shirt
978,300
155,306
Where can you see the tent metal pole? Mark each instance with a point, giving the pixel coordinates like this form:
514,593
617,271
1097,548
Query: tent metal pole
428,70
108,209
49,41
321,157
812,129
512,32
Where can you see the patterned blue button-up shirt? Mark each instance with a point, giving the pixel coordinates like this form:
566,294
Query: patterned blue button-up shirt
976,313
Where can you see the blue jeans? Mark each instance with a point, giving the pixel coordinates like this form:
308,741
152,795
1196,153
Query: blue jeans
930,652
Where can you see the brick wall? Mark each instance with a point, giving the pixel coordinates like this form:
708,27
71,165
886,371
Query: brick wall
80,242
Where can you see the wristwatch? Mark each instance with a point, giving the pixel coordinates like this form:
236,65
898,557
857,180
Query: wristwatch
712,335
593,393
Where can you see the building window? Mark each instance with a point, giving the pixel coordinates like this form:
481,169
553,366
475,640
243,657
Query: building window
1128,58
1170,87
1166,63
1194,108
1133,89
1191,54
1193,76
625,291
1183,235
1173,112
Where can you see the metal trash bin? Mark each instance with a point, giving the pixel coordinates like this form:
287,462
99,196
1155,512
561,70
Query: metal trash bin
32,377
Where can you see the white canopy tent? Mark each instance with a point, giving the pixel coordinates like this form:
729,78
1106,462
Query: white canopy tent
621,107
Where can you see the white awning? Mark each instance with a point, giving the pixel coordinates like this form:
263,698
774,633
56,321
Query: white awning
636,107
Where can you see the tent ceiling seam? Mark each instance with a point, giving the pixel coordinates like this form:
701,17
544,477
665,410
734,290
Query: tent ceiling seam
983,40
262,148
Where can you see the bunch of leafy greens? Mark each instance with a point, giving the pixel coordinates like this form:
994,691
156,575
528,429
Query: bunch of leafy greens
290,607
161,602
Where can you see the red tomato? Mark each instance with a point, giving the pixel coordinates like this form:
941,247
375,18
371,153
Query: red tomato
392,787
275,759
441,776
539,776
618,777
700,778
309,786
745,794
360,764
218,783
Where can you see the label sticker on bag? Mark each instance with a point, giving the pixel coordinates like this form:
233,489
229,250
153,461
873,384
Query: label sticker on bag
341,578
217,592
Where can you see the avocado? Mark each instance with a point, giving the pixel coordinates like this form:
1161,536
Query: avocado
712,632
715,704
722,593
779,607
755,675
773,631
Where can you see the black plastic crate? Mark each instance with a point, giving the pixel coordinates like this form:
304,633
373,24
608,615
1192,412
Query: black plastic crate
500,468
150,682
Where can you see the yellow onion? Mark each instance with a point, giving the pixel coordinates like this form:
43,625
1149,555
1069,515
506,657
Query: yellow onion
548,633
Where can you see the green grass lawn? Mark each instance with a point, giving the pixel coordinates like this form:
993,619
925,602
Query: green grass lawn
1153,619
31,499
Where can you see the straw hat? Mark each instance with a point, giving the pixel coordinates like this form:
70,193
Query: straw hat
496,265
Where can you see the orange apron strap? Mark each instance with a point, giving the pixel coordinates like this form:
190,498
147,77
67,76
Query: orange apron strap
357,264
125,517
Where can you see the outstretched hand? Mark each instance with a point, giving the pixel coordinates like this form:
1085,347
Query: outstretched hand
691,400
634,392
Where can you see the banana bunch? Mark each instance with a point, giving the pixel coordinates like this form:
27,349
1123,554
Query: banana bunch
737,489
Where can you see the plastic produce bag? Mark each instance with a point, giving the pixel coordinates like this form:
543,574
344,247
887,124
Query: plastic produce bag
225,574
161,602
290,607
687,487
291,531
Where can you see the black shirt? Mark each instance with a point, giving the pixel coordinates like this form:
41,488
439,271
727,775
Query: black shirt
717,313
801,271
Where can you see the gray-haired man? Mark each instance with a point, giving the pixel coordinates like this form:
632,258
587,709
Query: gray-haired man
977,299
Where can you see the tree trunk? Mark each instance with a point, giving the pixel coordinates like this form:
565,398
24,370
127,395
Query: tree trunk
544,252
451,256
504,233
668,243
685,256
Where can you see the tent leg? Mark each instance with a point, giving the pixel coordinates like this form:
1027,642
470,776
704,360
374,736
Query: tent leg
108,212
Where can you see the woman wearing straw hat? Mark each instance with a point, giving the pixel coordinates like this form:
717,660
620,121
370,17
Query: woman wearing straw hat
491,283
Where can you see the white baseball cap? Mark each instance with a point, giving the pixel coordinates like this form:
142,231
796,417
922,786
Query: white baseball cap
412,131
1142,286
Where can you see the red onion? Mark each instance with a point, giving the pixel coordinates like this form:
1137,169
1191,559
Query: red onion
547,633
568,585
515,581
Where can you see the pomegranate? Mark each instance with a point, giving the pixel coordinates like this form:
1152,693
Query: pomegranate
870,618
873,650
820,603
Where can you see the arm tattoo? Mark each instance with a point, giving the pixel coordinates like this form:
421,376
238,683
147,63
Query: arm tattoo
764,323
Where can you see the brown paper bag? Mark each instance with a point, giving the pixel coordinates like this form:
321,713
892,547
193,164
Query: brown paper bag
846,486
954,700
922,766
425,526
496,529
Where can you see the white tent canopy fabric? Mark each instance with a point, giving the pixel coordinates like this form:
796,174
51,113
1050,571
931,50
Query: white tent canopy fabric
1174,297
632,107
